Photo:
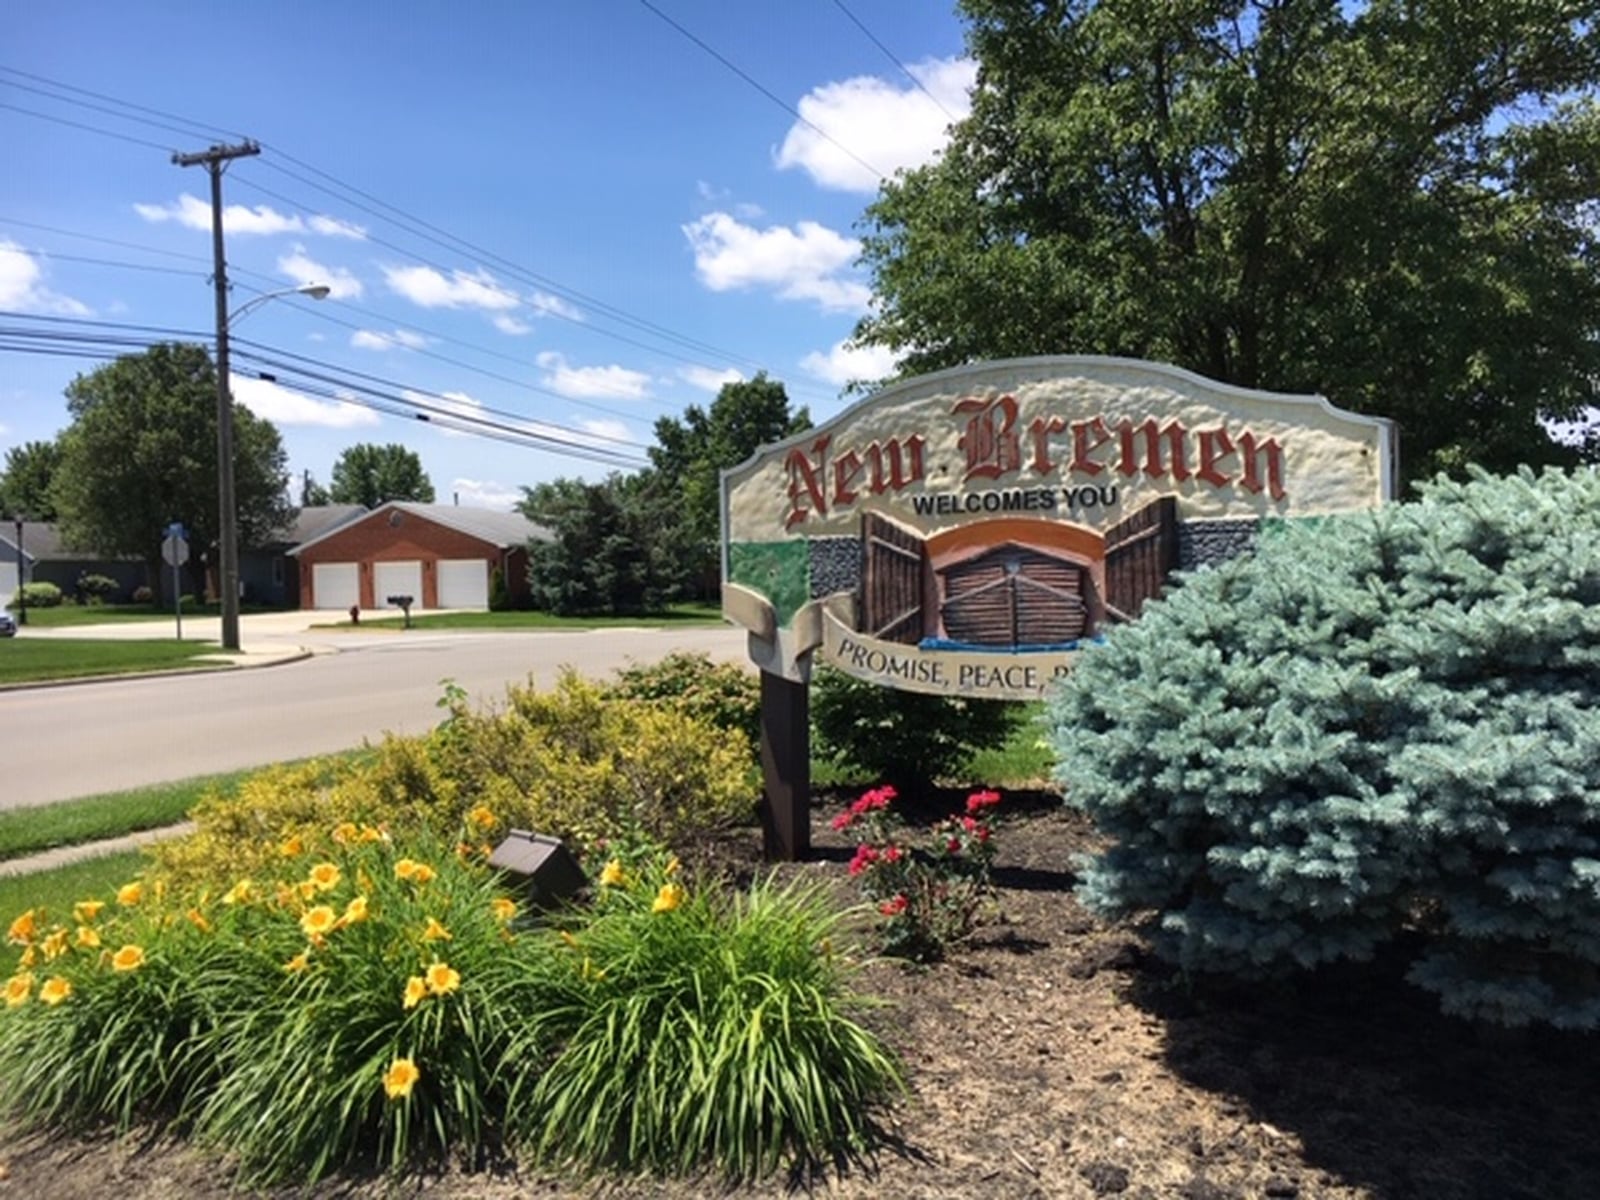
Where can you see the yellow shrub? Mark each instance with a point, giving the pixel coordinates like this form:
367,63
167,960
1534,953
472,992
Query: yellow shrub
573,762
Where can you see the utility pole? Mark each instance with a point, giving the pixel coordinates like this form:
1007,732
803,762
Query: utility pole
215,160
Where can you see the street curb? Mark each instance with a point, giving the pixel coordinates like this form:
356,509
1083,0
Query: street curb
299,656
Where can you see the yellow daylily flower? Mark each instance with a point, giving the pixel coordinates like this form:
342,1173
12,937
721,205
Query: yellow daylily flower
129,958
54,991
318,921
443,979
130,894
355,911
435,932
611,874
503,909
294,847
483,817
416,992
325,876
345,832
198,920
400,1078
668,898
298,963
55,945
23,929
85,911
87,938
18,989
240,893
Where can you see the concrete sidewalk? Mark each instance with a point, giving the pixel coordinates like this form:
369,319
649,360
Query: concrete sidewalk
62,856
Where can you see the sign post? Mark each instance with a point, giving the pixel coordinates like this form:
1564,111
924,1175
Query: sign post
175,550
971,532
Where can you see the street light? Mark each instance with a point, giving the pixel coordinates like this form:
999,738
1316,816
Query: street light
227,505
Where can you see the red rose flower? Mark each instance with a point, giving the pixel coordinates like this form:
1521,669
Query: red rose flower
979,801
894,906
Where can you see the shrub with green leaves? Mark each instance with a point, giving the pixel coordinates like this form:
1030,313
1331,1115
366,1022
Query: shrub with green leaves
906,739
1378,724
725,695
41,594
96,589
576,761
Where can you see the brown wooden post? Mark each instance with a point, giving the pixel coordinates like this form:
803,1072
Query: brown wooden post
785,769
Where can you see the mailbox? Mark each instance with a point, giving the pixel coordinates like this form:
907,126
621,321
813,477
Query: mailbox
403,603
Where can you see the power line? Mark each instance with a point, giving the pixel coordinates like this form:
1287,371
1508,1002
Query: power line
890,55
117,338
209,130
781,103
415,226
186,130
121,137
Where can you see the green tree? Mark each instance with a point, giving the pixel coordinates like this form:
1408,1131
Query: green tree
372,475
25,483
312,493
142,451
689,456
1389,203
603,556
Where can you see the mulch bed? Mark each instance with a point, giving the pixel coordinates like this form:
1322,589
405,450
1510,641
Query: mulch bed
1052,1058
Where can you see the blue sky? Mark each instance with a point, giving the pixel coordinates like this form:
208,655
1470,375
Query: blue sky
643,221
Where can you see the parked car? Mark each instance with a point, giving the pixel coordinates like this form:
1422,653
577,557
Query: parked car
8,624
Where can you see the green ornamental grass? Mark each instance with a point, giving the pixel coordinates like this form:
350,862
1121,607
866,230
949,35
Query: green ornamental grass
700,1027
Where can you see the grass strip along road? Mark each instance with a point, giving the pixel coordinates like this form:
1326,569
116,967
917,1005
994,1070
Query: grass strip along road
28,660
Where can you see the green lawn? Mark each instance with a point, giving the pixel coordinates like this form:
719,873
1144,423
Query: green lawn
25,659
677,615
65,616
56,891
26,831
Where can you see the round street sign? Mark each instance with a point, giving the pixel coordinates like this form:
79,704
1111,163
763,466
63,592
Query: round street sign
175,550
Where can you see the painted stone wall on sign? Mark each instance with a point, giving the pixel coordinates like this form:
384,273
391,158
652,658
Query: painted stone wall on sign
968,532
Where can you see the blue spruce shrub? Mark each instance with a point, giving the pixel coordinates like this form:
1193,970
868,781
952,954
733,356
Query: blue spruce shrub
1377,724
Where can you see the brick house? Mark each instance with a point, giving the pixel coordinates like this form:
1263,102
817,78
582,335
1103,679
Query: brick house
439,554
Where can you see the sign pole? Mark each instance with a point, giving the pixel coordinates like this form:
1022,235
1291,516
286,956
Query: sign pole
175,549
785,769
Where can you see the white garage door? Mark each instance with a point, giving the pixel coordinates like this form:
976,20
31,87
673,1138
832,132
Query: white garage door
8,581
335,585
464,583
396,579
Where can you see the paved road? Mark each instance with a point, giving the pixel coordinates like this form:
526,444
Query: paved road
58,743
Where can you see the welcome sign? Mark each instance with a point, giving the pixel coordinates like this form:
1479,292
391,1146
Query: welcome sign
970,532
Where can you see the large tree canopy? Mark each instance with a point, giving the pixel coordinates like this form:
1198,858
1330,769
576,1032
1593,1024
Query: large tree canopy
372,475
25,483
1392,203
142,451
604,555
690,455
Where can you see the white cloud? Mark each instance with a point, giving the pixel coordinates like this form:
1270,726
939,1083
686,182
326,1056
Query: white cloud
282,406
429,288
305,270
707,378
194,213
547,305
443,408
395,339
22,289
330,227
485,493
803,263
886,126
592,382
604,430
846,363
514,326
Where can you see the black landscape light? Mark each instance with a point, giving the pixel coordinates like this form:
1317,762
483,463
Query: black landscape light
540,865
